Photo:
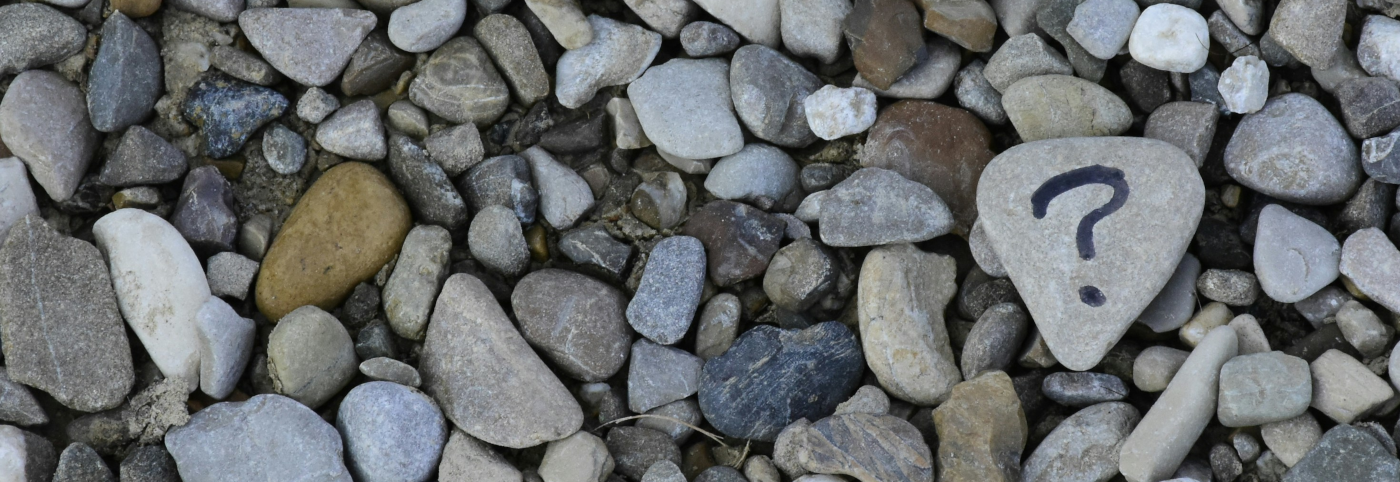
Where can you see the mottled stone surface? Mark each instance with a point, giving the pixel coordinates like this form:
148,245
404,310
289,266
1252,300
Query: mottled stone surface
1084,447
310,356
739,239
767,89
44,122
842,444
391,432
902,294
941,147
37,35
141,158
909,211
309,45
618,55
669,291
885,37
577,321
1346,453
229,111
460,84
1294,150
125,79
1057,106
685,107
981,431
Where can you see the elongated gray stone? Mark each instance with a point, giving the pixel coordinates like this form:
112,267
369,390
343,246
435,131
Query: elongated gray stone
1372,264
901,296
37,35
669,291
308,45
125,80
225,345
418,275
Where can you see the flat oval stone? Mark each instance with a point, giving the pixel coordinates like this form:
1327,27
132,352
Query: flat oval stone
125,79
44,122
773,376
941,147
1294,150
577,322
37,35
391,432
460,84
341,232
426,25
1053,106
1084,447
309,45
486,378
1263,388
685,108
248,437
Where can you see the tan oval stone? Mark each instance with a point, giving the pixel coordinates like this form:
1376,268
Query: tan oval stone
136,8
346,226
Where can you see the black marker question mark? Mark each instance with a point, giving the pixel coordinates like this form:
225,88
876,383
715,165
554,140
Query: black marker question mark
1084,239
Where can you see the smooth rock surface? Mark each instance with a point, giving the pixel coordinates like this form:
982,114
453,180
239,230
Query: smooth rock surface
391,432
767,90
1370,262
234,436
685,108
1310,31
355,131
125,79
757,20
1170,37
618,55
225,345
425,25
459,83
310,356
418,275
901,297
1055,106
1084,447
44,122
309,45
1293,257
564,196
1344,389
577,321
1262,388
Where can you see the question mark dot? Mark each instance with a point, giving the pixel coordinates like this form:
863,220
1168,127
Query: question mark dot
1092,296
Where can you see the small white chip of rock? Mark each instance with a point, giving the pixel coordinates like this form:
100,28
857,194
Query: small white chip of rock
834,112
1245,85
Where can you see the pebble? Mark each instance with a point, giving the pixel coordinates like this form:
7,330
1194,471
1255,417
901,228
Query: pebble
1293,257
158,281
203,213
1363,329
390,370
391,432
994,341
593,247
885,38
125,79
1205,87
768,91
1053,17
284,150
1224,463
27,456
44,122
254,236
1344,389
1369,262
244,66
466,458
247,438
1309,31
456,149
407,118
581,457
316,104
426,25
663,471
1226,33
1251,335
501,181
928,79
487,380
1147,87
669,291
739,239
1376,52
969,23
37,35
1080,334
225,344
1291,439
1368,105
17,405
799,275
981,430
1324,169
417,276
310,46
496,240
508,43
975,94
901,297
1055,106
1210,317
229,111
577,321
660,200
837,445
375,341
756,20
1263,388
1102,27
459,83
1024,56
909,211
983,254
1346,453
618,55
627,130
666,16
634,450
812,28
59,315
803,374
685,411
1161,441
868,399
1083,447
1080,389
1230,286
659,375
1245,85
1170,37
1172,307
310,356
684,106
1344,68
1245,445
16,197
564,195
80,463
759,174
833,112
355,131
375,66
352,206
1186,125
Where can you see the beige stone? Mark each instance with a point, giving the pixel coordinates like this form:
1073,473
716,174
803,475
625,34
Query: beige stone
981,431
901,296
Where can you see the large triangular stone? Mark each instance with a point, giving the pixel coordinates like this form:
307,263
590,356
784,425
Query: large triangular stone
308,45
1084,287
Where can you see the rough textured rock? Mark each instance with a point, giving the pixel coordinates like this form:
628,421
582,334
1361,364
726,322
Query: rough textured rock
508,43
142,158
901,297
767,89
486,378
909,211
234,436
1262,388
426,185
38,35
391,432
309,45
981,431
1346,453
669,291
618,55
310,356
229,111
418,275
125,79
460,84
837,445
577,321
1310,31
1084,447
354,131
225,344
885,37
739,239
685,107
1056,106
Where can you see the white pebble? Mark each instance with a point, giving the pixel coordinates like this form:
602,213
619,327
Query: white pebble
1245,85
834,112
1170,37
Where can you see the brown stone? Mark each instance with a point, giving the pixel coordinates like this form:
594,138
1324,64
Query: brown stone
969,23
869,447
981,431
136,8
341,232
885,39
944,148
739,239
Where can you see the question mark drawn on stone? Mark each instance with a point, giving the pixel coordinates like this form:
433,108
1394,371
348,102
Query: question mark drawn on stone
1084,238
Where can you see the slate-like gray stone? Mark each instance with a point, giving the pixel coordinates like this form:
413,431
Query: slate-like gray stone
1294,150
37,35
44,122
1102,27
739,239
426,186
355,131
759,174
456,149
229,111
669,291
1189,126
63,333
593,246
143,158
391,432
659,375
1083,308
284,150
708,39
245,66
908,211
504,181
577,321
1174,305
508,43
267,437
1370,105
17,405
636,450
1346,453
768,89
685,107
564,195
975,94
1078,389
497,242
309,45
1371,262
125,79
1310,31
80,463
485,377
837,445
1023,56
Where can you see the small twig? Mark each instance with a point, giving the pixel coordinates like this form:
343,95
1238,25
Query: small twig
716,438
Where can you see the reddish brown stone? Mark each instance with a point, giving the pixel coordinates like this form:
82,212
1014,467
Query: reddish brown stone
739,239
885,39
944,148
969,23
